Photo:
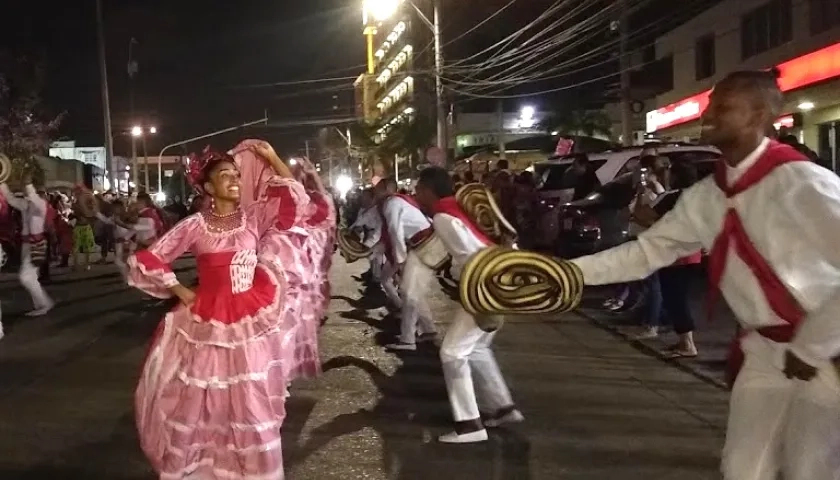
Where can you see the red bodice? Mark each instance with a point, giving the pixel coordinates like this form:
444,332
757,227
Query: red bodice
231,286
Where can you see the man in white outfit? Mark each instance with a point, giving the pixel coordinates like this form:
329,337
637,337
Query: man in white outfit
33,211
770,219
368,226
466,349
403,227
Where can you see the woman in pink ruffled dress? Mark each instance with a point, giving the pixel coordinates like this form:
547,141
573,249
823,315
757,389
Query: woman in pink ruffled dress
211,398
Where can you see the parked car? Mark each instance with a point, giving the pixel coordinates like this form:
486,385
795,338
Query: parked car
601,219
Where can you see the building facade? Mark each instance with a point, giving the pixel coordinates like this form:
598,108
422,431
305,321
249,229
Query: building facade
799,37
397,84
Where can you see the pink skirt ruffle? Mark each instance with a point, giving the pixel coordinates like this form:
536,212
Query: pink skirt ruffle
212,404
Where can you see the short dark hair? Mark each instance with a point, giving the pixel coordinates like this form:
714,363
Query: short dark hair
761,83
437,180
502,164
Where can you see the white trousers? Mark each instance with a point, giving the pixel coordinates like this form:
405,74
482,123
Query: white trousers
389,286
779,426
121,250
29,279
414,290
466,353
376,259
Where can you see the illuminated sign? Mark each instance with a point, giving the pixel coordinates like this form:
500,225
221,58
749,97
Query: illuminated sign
787,121
676,113
802,71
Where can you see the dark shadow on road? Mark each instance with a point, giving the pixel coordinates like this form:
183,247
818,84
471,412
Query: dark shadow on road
413,409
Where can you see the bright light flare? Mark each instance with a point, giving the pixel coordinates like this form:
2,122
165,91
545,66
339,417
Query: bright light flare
343,184
805,106
136,131
153,130
160,197
381,10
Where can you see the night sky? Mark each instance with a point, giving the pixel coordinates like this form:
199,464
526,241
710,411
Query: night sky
203,63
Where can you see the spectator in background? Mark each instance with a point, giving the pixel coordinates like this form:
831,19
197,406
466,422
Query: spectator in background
582,176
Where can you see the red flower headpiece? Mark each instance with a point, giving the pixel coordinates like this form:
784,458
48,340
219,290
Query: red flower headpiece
196,162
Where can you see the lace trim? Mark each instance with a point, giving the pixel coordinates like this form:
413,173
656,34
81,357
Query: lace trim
154,281
224,428
218,473
223,384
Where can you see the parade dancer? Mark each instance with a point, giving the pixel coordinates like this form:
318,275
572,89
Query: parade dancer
404,226
122,231
368,227
33,211
769,218
211,398
466,349
149,225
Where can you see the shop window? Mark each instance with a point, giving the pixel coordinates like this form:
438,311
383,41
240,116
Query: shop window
825,15
704,57
766,27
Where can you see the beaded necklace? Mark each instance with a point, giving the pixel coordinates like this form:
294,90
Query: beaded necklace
222,223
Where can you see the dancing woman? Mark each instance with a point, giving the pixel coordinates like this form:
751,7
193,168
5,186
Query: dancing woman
211,397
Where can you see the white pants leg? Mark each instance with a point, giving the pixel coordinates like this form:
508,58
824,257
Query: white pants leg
780,426
29,279
466,348
376,261
414,286
119,258
389,270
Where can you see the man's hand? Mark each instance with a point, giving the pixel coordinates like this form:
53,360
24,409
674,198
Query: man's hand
796,368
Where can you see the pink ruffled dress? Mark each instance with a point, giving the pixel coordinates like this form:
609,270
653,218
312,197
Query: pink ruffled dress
211,398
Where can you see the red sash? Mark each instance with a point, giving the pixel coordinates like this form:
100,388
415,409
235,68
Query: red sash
450,206
734,235
385,235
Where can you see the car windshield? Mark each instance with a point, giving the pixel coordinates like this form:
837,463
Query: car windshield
552,176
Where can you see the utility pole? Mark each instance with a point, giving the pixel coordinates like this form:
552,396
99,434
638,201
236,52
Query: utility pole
442,136
500,132
307,148
624,65
106,103
146,163
132,71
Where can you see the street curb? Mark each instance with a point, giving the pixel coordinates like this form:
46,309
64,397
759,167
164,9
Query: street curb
654,352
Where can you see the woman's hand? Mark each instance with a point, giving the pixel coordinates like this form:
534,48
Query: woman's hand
266,151
306,166
186,295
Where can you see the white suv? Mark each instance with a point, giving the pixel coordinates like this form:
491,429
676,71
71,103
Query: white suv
554,190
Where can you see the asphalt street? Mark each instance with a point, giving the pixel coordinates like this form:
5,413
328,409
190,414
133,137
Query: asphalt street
596,407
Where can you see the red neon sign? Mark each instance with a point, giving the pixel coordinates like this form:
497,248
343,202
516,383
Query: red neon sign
802,71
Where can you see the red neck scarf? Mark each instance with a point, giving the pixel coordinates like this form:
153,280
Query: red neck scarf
450,206
733,235
385,236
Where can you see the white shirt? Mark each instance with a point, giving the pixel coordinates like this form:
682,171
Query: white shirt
792,216
32,207
370,222
404,221
458,239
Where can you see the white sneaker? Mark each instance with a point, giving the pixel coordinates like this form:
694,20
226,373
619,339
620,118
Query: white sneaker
406,347
472,437
513,416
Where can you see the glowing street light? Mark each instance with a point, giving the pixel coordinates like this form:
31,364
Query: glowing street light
343,184
153,130
381,10
805,106
136,131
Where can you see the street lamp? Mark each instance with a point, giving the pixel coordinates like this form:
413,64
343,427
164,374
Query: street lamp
380,10
138,131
